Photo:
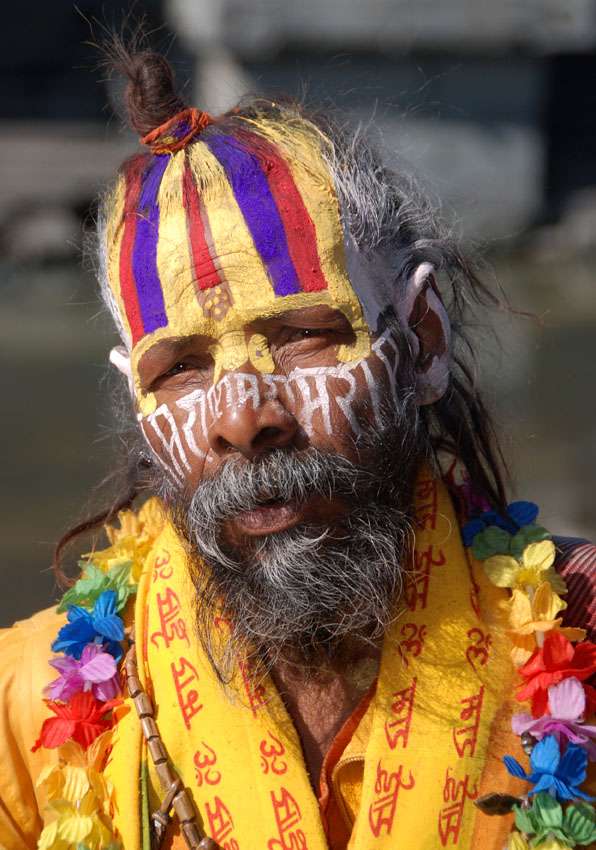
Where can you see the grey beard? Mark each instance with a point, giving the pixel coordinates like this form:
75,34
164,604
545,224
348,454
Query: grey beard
314,592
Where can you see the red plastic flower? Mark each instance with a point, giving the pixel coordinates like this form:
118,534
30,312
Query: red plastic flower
557,660
83,720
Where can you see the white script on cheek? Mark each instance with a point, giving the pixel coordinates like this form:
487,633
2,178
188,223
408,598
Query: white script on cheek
193,406
169,445
238,389
347,372
386,340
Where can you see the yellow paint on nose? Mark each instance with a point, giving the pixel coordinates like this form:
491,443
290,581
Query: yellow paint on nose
232,351
259,354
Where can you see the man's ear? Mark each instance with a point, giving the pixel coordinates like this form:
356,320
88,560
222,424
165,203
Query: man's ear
120,358
423,316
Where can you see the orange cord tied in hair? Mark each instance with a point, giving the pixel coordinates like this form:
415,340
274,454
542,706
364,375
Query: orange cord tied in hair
177,131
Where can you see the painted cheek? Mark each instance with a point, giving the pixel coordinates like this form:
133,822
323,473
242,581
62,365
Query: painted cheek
173,444
179,433
340,399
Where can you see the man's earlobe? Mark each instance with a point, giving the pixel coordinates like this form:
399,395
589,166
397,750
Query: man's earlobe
426,323
120,358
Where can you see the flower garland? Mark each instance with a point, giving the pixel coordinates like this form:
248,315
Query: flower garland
554,663
89,684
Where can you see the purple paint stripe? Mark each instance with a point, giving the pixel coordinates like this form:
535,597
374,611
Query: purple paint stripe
251,189
144,257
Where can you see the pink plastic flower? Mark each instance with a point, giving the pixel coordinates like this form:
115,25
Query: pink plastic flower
567,702
96,671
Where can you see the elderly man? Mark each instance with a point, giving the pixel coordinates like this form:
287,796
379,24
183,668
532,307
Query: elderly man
314,658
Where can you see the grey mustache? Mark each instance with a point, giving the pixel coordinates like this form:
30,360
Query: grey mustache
278,476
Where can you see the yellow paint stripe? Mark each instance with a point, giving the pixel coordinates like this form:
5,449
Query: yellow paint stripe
234,248
323,207
174,260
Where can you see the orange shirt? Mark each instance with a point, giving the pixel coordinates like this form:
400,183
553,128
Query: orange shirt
24,671
340,783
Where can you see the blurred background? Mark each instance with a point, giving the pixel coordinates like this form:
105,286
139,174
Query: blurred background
494,102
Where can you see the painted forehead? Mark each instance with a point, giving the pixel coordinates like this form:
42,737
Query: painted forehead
227,230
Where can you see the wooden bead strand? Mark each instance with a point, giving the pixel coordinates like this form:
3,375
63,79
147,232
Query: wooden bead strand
176,796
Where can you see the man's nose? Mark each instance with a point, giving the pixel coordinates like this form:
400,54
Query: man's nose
251,428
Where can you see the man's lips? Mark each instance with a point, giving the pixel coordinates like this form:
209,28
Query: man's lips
267,519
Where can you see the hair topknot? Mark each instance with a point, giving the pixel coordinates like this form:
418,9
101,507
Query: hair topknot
151,96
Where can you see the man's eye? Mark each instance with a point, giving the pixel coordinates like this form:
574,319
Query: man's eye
195,370
177,368
306,333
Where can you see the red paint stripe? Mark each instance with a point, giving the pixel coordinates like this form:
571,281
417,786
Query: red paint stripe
299,226
205,273
128,288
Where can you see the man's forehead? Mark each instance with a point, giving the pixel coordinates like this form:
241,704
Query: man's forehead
224,226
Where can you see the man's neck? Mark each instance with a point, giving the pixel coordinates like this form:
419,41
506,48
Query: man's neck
320,704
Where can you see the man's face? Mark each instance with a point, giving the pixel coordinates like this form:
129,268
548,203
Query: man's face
247,330
292,482
306,398
275,401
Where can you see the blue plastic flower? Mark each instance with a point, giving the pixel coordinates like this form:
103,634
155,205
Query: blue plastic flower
518,515
549,770
471,529
102,626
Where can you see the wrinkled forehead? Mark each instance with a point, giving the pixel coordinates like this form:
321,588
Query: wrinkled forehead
224,232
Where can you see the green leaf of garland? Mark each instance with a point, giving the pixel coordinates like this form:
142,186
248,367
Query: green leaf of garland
496,541
76,595
548,811
525,821
492,541
543,821
548,835
579,823
87,590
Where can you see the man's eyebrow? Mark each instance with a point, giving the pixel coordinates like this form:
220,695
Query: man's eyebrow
329,314
173,345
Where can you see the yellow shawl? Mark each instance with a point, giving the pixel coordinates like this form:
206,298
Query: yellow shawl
439,720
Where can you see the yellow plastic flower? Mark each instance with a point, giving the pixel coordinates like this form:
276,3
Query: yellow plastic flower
123,550
536,566
133,540
79,772
527,616
80,823
50,840
70,782
145,525
517,842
